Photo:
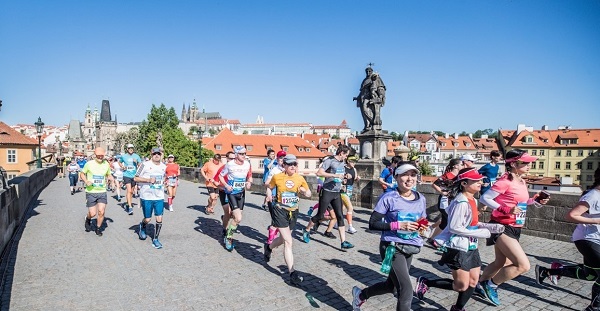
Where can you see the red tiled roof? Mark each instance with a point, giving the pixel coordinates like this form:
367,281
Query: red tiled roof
9,136
586,138
261,143
275,124
464,143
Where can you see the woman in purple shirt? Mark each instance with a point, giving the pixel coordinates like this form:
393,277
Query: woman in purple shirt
396,215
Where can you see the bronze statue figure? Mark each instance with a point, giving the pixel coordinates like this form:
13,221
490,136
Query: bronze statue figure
370,100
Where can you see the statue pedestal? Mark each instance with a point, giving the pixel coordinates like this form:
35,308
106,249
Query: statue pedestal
373,147
373,144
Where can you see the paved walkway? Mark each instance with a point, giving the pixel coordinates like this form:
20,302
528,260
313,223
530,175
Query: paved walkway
56,265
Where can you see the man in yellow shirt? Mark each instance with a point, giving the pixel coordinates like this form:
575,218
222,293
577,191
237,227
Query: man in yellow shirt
284,212
95,175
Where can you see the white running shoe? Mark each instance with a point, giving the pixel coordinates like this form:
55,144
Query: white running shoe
351,230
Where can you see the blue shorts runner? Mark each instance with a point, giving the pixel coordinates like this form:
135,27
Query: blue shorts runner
153,206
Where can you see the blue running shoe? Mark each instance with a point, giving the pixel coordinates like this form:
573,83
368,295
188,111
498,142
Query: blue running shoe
490,293
346,245
156,243
305,236
310,211
142,232
228,244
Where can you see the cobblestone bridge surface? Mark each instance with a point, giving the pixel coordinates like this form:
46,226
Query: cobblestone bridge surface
56,265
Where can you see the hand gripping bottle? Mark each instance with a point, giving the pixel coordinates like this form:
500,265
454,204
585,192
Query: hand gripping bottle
386,265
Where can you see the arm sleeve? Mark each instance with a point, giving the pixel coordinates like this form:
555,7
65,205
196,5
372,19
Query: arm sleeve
139,170
488,199
456,222
376,222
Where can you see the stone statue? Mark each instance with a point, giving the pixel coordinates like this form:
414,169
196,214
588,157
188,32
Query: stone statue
370,100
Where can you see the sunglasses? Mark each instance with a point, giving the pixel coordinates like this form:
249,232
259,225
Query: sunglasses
242,153
292,164
231,158
155,153
99,156
523,163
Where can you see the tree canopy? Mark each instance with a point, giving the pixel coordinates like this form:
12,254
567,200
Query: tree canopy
174,141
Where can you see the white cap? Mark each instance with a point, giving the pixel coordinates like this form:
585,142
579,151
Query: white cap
467,157
129,145
405,168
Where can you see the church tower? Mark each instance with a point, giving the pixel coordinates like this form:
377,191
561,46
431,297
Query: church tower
89,128
183,118
106,129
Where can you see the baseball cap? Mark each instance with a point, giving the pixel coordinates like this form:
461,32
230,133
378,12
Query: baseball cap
281,153
129,145
239,149
170,156
156,150
290,158
405,168
471,174
467,157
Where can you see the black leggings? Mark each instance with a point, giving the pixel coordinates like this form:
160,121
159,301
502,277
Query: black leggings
589,270
325,199
398,279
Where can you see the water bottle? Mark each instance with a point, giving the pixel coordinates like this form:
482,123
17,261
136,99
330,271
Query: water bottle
386,265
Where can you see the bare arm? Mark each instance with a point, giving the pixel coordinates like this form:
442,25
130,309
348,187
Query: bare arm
576,214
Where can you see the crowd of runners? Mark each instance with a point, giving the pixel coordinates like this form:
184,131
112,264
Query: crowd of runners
399,214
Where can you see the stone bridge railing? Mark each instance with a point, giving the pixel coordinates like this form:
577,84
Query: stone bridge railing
546,222
15,200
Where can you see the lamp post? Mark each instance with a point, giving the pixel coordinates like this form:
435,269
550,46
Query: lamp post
39,127
199,133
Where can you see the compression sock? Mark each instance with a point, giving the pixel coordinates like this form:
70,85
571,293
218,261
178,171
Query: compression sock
157,229
463,297
440,283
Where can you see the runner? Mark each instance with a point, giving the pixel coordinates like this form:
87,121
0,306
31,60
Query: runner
73,169
95,175
151,177
490,171
236,177
117,173
459,240
284,212
396,215
333,170
208,171
230,156
272,231
347,188
587,240
129,163
268,164
81,161
386,179
173,172
468,160
508,198
442,185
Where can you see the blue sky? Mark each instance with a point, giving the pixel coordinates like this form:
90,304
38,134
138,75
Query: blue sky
447,65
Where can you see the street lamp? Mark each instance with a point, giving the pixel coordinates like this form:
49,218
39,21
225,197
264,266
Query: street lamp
39,127
199,132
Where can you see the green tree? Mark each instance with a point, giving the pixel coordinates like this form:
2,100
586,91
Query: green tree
193,130
335,137
129,137
463,133
174,140
425,169
439,133
245,132
212,132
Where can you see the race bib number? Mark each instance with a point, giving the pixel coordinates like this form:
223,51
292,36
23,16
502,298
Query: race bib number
238,185
289,199
520,219
349,190
130,168
98,181
472,241
172,181
158,182
339,170
407,235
